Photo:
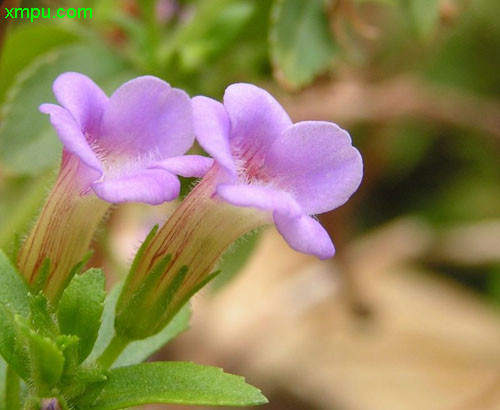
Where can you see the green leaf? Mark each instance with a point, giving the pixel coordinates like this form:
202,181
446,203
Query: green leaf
29,147
34,40
302,46
69,346
423,15
80,309
13,344
173,383
42,316
140,350
46,361
13,288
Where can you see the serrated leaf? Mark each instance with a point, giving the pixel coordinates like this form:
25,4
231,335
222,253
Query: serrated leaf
29,147
302,46
140,350
13,344
68,345
46,361
172,383
13,288
42,316
80,309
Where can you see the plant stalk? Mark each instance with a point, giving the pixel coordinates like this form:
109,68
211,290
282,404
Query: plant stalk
12,390
113,351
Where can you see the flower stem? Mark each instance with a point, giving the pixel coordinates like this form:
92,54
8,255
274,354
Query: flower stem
12,390
114,349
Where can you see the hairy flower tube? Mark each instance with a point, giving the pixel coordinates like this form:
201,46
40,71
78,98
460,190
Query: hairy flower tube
267,170
128,147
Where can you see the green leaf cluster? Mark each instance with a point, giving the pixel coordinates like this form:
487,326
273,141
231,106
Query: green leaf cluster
55,351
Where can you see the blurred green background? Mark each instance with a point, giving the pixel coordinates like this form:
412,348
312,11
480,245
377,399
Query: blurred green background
416,83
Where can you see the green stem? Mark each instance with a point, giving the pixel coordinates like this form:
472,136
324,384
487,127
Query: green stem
114,349
12,390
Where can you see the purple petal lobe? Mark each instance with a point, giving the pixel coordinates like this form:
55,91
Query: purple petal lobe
212,128
71,136
147,116
152,186
306,235
317,162
261,197
257,119
82,98
186,166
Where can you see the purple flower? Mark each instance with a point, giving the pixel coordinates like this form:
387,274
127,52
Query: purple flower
130,145
290,171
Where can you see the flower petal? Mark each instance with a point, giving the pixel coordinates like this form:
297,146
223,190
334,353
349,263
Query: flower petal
261,197
211,125
147,116
152,186
71,136
305,234
186,165
257,119
316,161
82,98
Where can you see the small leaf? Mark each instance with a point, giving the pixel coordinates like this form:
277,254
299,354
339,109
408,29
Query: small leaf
302,46
69,346
45,359
172,383
140,350
42,317
80,309
13,288
13,344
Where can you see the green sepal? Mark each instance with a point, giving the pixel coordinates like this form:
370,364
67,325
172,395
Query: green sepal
170,383
139,350
76,270
132,321
42,316
41,277
169,294
184,301
13,288
140,253
80,309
